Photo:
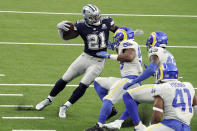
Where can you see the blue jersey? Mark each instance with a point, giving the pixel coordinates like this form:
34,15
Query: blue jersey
95,37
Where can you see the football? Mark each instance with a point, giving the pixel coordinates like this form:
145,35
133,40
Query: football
71,33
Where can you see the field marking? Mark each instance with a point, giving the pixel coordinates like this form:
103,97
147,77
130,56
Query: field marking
4,117
32,130
37,85
2,74
75,44
62,13
11,94
16,106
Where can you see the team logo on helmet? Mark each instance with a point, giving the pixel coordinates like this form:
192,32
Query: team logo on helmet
157,39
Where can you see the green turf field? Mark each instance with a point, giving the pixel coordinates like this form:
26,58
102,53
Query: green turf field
44,64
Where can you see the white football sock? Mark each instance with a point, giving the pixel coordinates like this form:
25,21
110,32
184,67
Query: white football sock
68,104
51,97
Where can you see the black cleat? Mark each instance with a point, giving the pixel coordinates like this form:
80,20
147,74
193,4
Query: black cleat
95,128
113,113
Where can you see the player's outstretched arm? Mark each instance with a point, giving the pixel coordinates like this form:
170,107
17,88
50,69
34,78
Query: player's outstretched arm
195,104
157,110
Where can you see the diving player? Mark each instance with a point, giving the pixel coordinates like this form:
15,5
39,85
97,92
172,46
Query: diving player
158,55
94,30
130,58
175,99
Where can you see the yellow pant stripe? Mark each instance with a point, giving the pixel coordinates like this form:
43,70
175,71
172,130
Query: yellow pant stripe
140,88
116,88
155,126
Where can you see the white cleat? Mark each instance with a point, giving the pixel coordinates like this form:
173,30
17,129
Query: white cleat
140,127
62,111
43,104
116,125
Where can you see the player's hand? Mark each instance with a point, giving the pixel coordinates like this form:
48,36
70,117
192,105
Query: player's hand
129,83
103,54
138,32
145,66
110,45
64,25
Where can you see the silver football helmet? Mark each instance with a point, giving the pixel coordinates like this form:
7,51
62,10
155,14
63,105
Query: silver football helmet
91,15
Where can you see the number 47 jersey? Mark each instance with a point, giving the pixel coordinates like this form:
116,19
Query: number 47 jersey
178,98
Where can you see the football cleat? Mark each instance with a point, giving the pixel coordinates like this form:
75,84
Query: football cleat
62,111
43,104
113,113
140,127
95,128
116,125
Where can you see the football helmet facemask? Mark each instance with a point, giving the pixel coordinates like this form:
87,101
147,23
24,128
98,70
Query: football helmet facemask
123,33
157,39
91,15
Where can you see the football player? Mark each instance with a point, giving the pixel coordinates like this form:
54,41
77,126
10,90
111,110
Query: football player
94,30
129,56
158,55
174,99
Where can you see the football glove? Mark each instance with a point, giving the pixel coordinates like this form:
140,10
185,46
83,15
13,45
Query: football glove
145,66
110,45
138,32
103,54
64,25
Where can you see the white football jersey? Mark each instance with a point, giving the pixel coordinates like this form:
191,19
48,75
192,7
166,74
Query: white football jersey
178,98
134,67
164,57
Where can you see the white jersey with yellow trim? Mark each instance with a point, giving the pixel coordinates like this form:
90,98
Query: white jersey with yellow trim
134,67
164,57
178,98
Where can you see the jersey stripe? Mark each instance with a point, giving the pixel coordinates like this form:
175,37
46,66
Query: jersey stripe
157,125
118,86
140,88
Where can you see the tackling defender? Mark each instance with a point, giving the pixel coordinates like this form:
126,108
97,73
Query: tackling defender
158,55
130,58
175,99
94,30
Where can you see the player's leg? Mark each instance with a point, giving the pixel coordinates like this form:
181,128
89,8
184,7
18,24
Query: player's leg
72,72
140,94
103,84
115,92
132,109
94,68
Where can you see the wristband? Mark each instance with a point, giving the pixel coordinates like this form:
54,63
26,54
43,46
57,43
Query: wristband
157,109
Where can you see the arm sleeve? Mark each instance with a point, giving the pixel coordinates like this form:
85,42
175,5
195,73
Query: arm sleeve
150,70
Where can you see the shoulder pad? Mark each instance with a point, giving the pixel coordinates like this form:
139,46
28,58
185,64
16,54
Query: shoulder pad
80,21
107,17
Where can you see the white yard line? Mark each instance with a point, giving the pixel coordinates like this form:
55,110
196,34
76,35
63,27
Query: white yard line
31,130
74,44
36,85
4,117
62,13
16,106
2,74
11,94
